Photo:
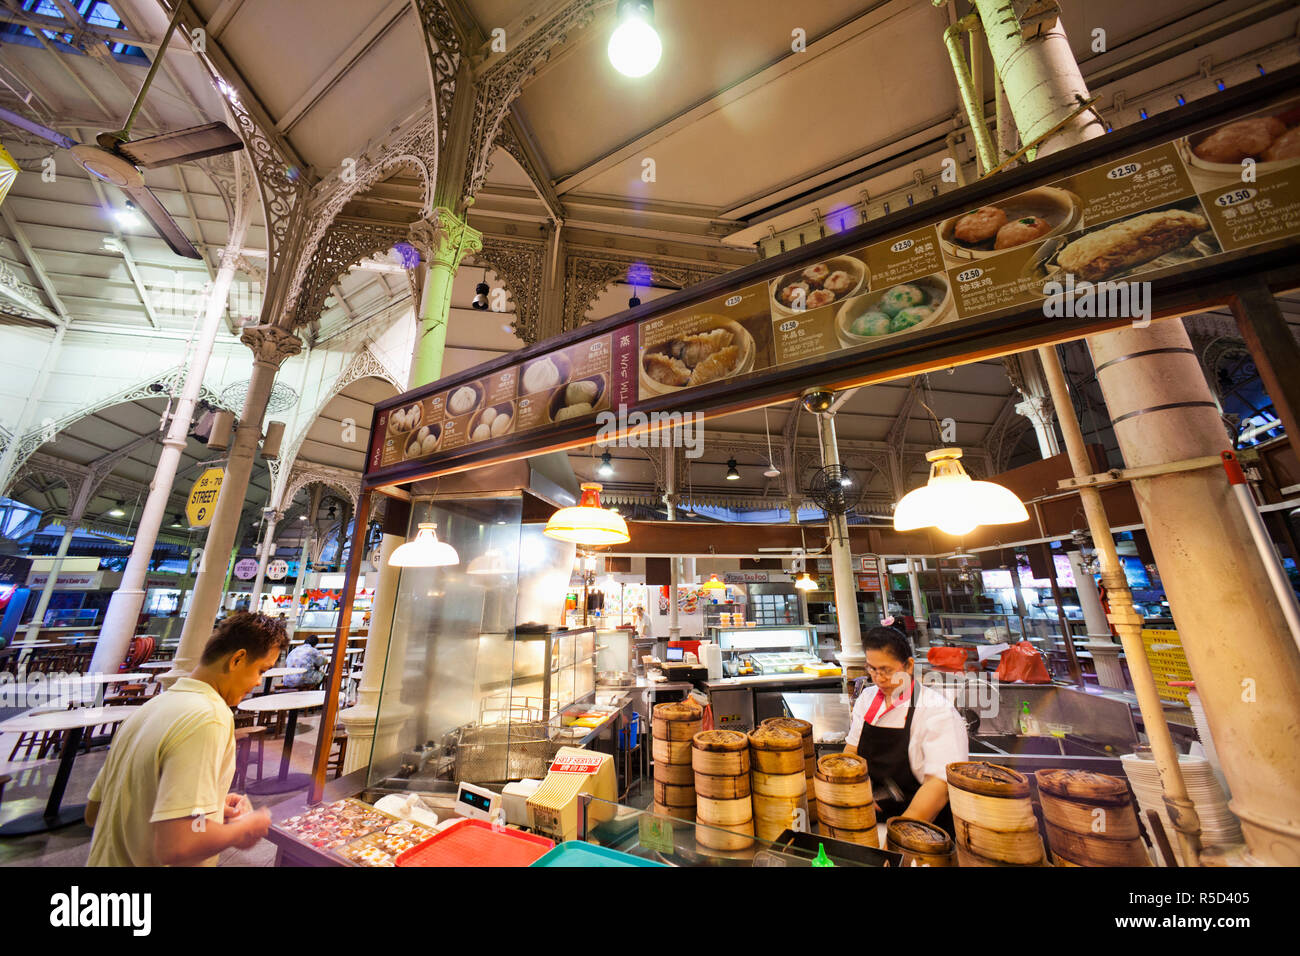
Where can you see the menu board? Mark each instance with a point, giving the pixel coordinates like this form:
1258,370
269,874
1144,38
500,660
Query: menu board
1146,214
1091,233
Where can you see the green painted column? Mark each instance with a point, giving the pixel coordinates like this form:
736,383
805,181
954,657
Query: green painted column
443,240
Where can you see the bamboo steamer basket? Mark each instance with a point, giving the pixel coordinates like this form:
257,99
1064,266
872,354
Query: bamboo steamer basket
1079,849
728,787
867,837
967,857
1087,803
713,764
779,784
715,837
1014,847
677,774
724,813
672,795
842,781
775,750
994,797
773,815
681,813
676,721
848,818
801,727
920,843
671,751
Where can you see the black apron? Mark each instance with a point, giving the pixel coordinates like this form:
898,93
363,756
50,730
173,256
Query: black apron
885,750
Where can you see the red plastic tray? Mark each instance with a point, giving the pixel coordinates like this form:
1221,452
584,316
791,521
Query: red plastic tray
476,843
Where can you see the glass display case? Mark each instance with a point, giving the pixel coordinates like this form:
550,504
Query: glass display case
973,628
478,680
768,650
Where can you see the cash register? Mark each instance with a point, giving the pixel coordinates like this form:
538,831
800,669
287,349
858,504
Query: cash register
681,665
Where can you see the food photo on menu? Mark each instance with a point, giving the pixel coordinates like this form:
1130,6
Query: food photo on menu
1215,156
1027,217
1162,238
714,342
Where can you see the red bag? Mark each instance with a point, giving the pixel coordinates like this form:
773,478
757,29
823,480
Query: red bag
1023,663
952,659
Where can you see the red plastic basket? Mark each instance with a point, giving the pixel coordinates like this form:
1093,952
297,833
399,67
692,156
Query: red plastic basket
476,843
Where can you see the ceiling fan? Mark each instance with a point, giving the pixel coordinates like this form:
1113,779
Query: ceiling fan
117,159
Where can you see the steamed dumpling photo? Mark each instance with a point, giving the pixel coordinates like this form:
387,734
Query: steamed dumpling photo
573,411
541,375
581,391
462,400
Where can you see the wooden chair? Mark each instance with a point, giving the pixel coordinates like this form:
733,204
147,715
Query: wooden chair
245,738
338,753
128,695
42,741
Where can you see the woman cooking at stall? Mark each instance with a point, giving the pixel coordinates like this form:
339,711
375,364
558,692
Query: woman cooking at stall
907,732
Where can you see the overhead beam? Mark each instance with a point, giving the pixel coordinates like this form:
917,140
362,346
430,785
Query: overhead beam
343,63
34,262
127,258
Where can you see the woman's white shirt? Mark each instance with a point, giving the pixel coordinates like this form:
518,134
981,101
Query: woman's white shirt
938,731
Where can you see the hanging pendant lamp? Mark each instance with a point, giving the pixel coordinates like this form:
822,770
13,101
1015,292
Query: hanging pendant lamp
587,522
805,582
952,502
713,584
426,551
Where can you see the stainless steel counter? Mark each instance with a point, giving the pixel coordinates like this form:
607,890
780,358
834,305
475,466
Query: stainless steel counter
828,713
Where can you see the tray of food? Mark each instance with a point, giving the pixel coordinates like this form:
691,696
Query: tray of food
382,847
332,825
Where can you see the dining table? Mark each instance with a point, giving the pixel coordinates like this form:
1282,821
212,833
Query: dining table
293,703
72,724
275,672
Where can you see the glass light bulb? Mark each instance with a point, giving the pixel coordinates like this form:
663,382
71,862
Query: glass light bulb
634,47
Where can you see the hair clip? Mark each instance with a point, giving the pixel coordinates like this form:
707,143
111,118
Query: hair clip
887,621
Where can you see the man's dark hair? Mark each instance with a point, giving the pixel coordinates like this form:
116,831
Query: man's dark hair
258,634
888,639
311,639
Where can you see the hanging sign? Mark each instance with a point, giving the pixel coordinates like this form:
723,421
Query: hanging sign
1097,237
202,502
277,570
246,569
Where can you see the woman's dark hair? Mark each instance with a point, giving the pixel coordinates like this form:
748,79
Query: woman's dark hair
311,639
888,639
258,634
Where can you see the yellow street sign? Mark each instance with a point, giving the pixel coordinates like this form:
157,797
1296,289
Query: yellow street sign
203,498
8,172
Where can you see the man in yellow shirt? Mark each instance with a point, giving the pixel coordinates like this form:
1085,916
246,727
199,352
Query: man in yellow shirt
162,797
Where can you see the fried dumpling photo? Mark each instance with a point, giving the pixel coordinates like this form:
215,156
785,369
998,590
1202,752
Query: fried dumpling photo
716,366
666,370
696,348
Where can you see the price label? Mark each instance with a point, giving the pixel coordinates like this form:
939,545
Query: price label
732,300
788,326
1123,172
969,274
1234,197
902,245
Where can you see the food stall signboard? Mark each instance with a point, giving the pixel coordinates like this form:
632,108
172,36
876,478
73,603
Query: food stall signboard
1073,254
245,569
277,569
202,503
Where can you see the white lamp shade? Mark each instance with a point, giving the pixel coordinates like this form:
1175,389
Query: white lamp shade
587,523
804,582
953,503
426,551
490,562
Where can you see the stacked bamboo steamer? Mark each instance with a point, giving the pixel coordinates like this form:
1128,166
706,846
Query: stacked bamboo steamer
720,759
674,725
844,796
1090,819
805,731
777,779
920,843
993,816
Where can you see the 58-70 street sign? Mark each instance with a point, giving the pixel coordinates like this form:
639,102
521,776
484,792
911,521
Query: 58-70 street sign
203,498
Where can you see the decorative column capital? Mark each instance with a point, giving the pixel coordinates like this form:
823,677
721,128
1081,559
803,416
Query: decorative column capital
271,344
444,238
1037,408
